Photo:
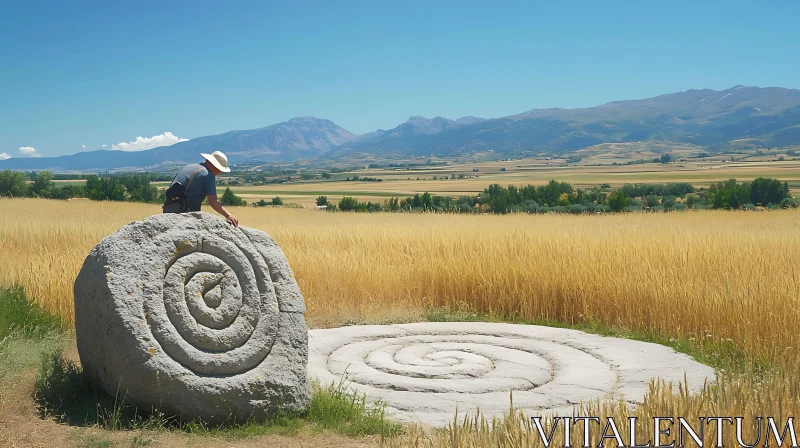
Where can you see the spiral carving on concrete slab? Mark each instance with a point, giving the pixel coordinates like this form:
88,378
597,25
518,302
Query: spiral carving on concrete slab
195,317
422,371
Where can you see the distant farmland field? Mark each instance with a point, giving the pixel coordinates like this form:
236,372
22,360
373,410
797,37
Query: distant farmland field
402,183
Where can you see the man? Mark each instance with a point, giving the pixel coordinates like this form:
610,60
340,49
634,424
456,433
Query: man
197,182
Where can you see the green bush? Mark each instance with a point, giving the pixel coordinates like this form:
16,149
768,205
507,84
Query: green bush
668,202
348,204
692,200
42,186
229,198
617,201
13,184
19,317
104,188
26,331
652,201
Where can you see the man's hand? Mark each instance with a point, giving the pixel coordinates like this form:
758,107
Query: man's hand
233,220
214,203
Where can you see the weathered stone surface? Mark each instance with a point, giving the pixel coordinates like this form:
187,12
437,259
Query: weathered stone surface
195,317
422,371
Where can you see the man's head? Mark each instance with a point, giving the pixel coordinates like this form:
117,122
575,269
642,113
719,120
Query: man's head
216,162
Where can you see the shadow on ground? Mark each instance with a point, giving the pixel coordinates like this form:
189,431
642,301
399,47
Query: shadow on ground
63,393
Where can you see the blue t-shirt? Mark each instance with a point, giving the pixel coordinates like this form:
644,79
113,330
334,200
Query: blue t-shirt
202,185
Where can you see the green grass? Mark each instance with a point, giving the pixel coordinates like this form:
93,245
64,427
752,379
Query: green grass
31,337
334,408
63,393
337,408
26,331
21,318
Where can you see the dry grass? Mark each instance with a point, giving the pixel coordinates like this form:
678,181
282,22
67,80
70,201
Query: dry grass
713,276
706,274
777,398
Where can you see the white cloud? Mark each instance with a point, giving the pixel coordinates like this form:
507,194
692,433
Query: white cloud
29,151
83,146
104,146
142,143
4,156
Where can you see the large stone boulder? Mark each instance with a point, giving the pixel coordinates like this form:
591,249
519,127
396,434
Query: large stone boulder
187,314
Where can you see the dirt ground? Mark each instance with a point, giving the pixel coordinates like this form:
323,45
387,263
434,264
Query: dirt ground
22,426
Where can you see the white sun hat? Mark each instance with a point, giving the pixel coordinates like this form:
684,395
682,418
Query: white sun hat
219,160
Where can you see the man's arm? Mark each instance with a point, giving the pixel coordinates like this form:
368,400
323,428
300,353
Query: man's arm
214,203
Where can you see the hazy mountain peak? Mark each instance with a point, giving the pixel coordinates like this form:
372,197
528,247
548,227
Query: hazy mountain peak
305,119
468,120
418,125
715,120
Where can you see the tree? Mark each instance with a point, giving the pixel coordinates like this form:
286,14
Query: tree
499,204
729,194
765,191
43,184
348,204
104,188
617,201
427,200
277,201
322,200
139,188
69,191
668,202
392,205
13,184
692,200
229,198
666,158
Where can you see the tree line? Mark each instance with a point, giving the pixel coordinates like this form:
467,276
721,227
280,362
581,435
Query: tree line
558,197
125,187
561,197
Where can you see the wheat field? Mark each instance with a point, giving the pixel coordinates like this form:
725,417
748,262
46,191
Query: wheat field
711,274
714,276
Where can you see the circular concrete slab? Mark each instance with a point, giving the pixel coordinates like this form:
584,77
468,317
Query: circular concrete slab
422,371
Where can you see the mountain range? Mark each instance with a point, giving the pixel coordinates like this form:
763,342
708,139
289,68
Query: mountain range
716,120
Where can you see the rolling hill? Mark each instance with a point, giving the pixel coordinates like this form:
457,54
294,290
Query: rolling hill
768,117
716,120
298,138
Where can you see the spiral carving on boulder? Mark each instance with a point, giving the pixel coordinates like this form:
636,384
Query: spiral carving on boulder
422,371
191,315
219,313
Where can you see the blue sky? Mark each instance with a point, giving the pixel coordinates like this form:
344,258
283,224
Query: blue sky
101,73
